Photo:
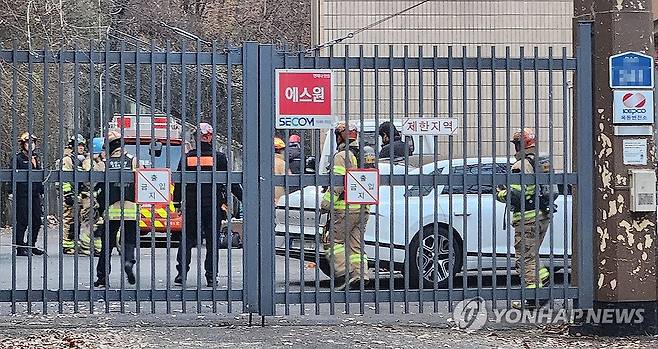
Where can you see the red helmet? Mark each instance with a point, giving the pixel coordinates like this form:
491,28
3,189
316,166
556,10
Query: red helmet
295,139
525,138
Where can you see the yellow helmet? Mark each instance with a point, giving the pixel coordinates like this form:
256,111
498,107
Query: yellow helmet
279,143
25,136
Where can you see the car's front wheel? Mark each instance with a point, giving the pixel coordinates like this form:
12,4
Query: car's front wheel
430,257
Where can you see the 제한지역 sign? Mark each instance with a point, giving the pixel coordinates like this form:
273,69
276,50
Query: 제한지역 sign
429,126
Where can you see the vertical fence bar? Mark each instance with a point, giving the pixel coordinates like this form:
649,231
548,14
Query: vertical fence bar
76,199
317,216
135,224
584,152
152,81
435,173
167,98
494,155
522,223
197,198
30,187
479,165
363,268
465,207
45,160
421,187
565,169
229,168
122,97
90,219
182,247
451,249
14,137
391,105
106,184
213,111
405,64
538,238
344,228
376,217
551,175
508,127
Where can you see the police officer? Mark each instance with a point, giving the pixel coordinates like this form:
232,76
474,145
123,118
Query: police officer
347,221
128,210
528,236
74,157
202,159
27,158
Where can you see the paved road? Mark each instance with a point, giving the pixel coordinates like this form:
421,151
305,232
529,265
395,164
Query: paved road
156,266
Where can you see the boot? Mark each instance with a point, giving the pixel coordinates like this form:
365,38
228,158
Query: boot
128,268
100,283
178,280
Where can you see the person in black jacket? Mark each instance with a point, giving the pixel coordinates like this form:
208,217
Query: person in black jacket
400,148
27,144
202,159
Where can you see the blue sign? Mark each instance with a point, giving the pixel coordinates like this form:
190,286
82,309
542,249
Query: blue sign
631,69
97,145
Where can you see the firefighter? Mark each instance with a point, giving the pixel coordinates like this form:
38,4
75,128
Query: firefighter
528,236
343,236
74,157
202,158
97,163
279,166
128,211
27,144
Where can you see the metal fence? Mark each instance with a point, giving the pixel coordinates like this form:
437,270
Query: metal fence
437,236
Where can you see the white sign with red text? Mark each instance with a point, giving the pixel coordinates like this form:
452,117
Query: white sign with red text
430,126
304,99
362,186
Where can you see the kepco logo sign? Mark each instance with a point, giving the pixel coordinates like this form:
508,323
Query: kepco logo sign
633,107
634,102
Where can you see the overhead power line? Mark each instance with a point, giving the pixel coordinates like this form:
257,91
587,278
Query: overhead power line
351,34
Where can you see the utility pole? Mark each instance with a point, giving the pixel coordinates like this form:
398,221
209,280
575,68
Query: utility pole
624,233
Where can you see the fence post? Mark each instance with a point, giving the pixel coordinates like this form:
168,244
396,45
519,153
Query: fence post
266,160
584,214
250,259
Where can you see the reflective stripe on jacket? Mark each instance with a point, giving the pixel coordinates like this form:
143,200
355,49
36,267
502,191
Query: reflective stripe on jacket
339,168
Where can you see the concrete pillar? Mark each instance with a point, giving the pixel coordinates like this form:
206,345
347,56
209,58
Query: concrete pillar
624,242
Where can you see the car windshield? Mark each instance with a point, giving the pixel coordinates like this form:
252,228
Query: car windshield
155,155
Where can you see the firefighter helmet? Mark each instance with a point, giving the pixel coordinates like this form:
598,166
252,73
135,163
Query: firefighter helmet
113,136
25,136
77,140
295,139
279,143
369,157
525,138
353,132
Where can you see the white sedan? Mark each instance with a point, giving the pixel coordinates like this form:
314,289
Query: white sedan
411,227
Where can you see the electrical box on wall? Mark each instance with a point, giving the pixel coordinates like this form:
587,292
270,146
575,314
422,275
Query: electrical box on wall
643,190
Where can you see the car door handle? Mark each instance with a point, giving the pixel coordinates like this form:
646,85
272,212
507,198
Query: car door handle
461,214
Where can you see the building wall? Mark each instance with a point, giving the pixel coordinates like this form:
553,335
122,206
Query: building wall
537,26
